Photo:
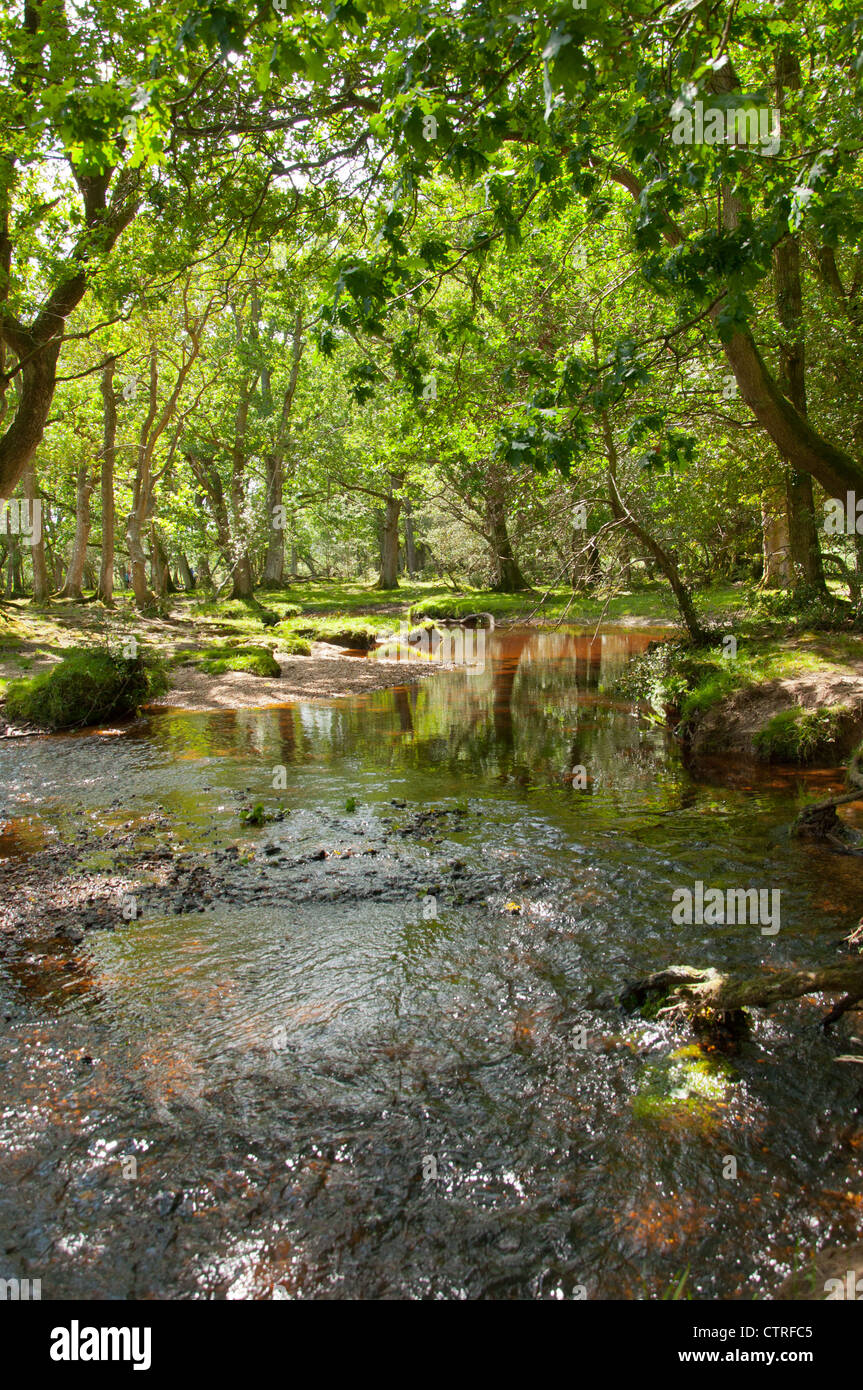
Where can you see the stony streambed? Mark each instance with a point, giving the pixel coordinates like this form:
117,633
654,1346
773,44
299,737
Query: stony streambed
369,1046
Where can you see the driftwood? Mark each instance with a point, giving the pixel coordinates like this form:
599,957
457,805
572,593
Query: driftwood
709,994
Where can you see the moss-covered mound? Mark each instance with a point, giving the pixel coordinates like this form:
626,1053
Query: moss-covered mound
87,687
359,633
257,661
295,646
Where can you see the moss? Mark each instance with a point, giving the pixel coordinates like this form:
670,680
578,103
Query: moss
688,1081
361,633
801,736
258,661
87,687
295,646
460,607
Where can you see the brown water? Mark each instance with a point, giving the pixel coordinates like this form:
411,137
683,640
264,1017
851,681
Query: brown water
330,1091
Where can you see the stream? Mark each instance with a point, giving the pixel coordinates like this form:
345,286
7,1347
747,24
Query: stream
370,1049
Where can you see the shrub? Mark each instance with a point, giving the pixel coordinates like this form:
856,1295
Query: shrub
88,686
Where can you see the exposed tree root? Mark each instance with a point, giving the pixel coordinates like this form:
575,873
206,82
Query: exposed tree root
712,997
820,822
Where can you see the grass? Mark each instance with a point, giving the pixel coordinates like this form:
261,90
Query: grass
343,630
292,644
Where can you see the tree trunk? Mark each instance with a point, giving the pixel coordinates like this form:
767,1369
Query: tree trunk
389,542
105,590
41,586
185,573
144,597
775,532
410,546
274,462
75,572
806,564
507,578
14,585
160,565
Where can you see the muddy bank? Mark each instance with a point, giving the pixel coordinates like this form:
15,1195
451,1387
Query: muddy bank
733,724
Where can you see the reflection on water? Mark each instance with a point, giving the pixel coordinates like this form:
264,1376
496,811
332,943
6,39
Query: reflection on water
328,1088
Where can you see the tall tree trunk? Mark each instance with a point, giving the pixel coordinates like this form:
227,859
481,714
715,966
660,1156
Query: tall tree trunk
776,539
389,541
185,573
75,572
805,544
507,577
14,585
41,587
144,597
105,589
410,546
159,565
242,585
274,463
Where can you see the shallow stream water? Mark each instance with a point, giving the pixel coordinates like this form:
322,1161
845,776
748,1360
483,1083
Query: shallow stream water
395,1068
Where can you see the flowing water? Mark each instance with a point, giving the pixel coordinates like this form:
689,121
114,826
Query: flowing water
382,1058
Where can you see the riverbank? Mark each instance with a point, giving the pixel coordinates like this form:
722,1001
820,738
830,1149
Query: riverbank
771,699
779,683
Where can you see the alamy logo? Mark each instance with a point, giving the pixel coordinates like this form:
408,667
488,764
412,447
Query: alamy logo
849,1289
20,1289
712,906
742,125
463,647
22,518
76,1343
843,518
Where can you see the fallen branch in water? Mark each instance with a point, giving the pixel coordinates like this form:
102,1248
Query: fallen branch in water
820,822
693,993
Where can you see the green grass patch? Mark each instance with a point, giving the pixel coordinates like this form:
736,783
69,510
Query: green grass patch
294,645
258,661
342,630
89,686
